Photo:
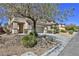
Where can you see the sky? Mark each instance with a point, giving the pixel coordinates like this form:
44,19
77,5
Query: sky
71,20
74,19
4,19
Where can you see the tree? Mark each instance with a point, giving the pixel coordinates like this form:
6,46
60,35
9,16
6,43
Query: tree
36,12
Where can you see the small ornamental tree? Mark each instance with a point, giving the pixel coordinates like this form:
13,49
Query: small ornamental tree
37,11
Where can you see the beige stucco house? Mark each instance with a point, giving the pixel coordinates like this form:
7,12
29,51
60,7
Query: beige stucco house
23,25
61,27
19,25
45,26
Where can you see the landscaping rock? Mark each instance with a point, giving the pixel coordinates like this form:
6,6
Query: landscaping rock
28,54
11,45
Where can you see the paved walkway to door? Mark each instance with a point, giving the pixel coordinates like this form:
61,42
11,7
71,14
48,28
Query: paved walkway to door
72,49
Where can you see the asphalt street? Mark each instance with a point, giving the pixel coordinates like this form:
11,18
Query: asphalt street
72,48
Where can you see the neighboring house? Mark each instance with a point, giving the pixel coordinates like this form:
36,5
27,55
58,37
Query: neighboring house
45,26
61,27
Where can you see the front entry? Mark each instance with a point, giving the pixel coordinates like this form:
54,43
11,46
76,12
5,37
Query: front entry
21,27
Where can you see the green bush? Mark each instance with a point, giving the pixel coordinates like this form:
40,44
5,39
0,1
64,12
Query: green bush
31,33
29,40
64,31
74,28
71,32
56,31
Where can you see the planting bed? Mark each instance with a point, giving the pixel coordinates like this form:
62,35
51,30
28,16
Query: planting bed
10,45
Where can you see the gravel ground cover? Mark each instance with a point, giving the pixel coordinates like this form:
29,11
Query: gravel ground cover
10,45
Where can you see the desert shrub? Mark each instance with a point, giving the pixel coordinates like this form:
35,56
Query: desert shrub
71,32
56,30
72,27
29,40
64,31
31,33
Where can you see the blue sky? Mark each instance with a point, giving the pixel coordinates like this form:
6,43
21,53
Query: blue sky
4,19
74,19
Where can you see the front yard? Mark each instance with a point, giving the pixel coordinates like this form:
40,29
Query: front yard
10,45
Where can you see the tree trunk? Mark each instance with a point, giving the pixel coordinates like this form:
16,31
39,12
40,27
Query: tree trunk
34,28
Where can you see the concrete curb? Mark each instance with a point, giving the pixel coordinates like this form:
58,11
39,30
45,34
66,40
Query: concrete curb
50,50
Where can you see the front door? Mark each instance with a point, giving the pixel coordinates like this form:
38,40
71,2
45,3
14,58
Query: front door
21,27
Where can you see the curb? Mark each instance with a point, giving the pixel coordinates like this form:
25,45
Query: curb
51,50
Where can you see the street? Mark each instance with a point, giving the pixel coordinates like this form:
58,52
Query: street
72,49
